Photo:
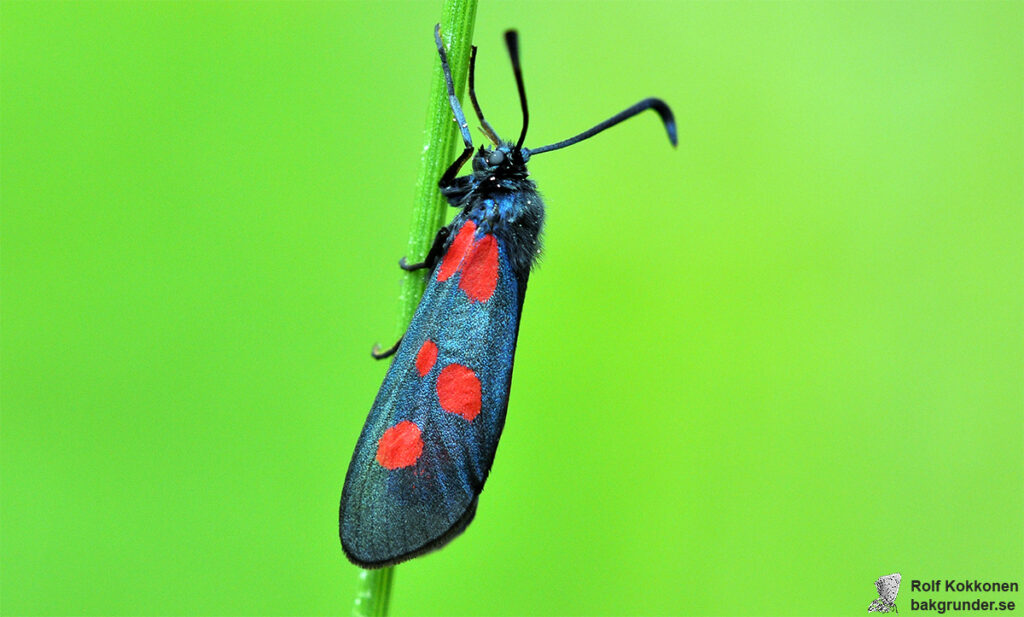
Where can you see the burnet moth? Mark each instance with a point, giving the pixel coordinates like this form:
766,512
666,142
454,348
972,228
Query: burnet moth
429,441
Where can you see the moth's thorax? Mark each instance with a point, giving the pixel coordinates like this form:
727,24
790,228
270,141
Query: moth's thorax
499,212
501,200
514,217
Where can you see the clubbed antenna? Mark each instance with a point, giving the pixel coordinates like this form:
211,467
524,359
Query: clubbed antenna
657,105
512,42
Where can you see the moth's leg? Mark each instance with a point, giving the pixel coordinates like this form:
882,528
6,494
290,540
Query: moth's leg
408,267
433,255
387,353
453,169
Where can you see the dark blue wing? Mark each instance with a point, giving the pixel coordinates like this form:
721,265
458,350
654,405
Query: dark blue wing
391,514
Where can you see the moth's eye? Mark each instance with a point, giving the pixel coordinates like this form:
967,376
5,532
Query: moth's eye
496,158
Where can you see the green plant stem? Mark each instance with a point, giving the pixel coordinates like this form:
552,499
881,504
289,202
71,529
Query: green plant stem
374,593
428,214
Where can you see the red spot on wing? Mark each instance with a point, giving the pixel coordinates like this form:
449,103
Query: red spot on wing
400,446
456,251
426,357
480,270
458,391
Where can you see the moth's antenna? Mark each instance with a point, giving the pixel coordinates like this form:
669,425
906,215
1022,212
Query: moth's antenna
512,42
484,124
453,100
657,105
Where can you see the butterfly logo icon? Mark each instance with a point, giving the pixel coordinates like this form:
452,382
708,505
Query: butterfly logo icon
888,587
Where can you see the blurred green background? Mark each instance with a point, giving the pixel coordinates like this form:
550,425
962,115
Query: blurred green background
754,373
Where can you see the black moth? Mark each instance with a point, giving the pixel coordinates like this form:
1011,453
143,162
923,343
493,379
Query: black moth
429,441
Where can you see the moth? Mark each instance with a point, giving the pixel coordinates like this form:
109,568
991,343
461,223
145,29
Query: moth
427,446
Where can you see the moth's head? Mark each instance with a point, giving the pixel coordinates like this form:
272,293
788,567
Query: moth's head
504,160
